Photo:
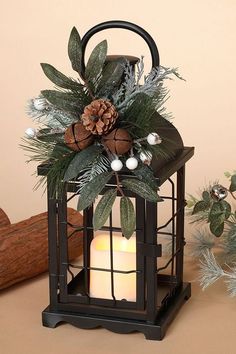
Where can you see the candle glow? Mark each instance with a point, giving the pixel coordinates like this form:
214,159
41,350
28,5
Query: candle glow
124,259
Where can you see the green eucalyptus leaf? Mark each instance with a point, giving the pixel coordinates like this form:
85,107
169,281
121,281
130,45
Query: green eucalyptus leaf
200,206
232,187
111,77
206,196
142,189
104,208
127,217
59,79
75,50
95,63
81,160
91,190
216,227
216,212
226,208
145,174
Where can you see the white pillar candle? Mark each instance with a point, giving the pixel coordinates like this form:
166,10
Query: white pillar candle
124,259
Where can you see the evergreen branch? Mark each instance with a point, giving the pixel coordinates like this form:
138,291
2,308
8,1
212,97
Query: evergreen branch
100,165
57,155
229,240
50,116
231,282
56,174
210,270
202,242
153,85
38,150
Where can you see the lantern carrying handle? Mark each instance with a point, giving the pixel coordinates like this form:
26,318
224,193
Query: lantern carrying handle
124,25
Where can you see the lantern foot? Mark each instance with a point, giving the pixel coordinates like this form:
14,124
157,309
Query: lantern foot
50,319
151,331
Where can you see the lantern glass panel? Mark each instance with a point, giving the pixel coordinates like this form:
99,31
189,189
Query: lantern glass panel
113,268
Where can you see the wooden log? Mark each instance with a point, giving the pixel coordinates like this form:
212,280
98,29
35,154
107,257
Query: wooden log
4,220
24,247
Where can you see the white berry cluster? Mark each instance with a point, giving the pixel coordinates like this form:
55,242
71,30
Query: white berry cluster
145,156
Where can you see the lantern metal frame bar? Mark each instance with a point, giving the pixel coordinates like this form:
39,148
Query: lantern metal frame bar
151,312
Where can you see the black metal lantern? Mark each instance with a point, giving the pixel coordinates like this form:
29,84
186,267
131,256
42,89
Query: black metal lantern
142,290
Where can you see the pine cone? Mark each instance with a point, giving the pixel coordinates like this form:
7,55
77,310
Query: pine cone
99,116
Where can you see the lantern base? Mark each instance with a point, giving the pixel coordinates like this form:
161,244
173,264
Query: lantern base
151,331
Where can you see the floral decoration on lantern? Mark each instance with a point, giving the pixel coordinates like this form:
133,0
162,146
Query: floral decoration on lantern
94,126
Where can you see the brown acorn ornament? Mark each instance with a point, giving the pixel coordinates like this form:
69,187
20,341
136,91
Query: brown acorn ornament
118,141
77,137
99,116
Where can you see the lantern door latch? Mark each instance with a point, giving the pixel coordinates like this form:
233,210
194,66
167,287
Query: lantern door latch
149,250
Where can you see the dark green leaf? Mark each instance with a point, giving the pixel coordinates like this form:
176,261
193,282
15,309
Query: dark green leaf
52,137
95,63
202,205
61,150
46,135
75,50
220,210
232,187
145,174
226,208
91,190
81,160
58,78
206,196
104,208
65,100
111,78
127,217
216,227
141,189
44,131
216,212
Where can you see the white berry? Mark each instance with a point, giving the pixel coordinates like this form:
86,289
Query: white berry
116,165
146,157
132,163
153,139
31,132
40,104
